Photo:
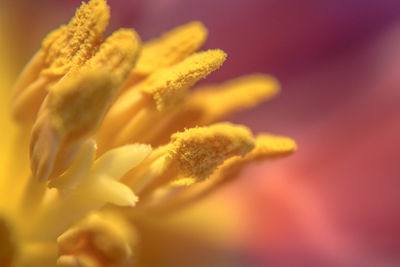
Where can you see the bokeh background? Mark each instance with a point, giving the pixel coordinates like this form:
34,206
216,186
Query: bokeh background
336,201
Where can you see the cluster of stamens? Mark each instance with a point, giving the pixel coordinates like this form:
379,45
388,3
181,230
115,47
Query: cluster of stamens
113,121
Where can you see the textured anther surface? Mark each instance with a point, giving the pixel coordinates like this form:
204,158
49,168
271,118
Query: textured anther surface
200,150
168,86
75,43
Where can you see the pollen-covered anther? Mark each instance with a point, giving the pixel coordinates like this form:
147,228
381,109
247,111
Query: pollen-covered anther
74,44
190,157
72,111
169,86
140,113
77,104
171,48
199,151
69,46
266,147
117,54
209,104
103,239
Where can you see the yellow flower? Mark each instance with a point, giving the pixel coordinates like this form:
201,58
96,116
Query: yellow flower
106,136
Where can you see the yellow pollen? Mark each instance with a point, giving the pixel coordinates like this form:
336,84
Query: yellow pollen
190,157
74,44
117,54
88,111
67,47
141,112
77,104
209,104
168,86
266,147
169,49
199,151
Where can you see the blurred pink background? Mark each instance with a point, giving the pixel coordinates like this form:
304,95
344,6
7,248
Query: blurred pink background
336,201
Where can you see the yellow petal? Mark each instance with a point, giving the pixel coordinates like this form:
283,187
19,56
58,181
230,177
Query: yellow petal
115,163
90,192
108,190
77,171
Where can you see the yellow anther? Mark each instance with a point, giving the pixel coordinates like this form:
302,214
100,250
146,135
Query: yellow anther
209,104
169,49
99,176
266,147
78,103
244,92
271,146
117,54
56,38
69,46
191,156
74,44
168,86
199,151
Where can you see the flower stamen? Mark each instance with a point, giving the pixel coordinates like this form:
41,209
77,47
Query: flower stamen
267,147
70,45
164,90
190,157
209,104
167,50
